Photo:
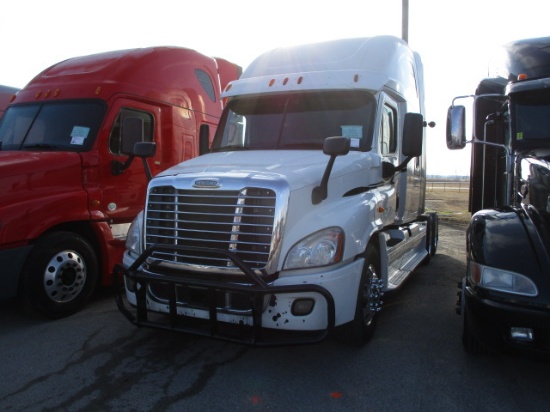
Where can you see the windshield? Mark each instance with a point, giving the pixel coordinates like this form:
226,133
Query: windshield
532,118
296,121
66,126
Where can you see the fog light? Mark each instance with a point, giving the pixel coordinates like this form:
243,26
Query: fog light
302,307
522,334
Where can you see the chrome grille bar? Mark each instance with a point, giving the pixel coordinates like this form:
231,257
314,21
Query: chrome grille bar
240,221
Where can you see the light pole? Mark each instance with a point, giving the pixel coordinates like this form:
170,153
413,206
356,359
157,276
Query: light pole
405,21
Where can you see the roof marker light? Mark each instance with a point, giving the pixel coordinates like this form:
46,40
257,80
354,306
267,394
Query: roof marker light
271,82
522,76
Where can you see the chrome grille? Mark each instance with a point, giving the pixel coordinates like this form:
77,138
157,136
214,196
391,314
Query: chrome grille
240,221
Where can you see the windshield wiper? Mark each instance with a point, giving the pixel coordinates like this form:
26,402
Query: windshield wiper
231,148
303,145
46,146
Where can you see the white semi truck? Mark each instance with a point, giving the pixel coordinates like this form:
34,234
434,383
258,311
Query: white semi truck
308,207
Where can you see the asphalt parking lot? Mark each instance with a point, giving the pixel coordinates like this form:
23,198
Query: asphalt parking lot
97,360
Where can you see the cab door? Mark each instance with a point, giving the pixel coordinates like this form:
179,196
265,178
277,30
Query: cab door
123,194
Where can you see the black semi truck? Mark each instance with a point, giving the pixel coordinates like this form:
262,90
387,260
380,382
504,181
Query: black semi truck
504,298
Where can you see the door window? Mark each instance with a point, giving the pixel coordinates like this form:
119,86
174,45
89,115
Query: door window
388,133
116,144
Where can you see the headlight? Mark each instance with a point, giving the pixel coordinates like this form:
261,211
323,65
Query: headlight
119,231
501,280
133,238
319,249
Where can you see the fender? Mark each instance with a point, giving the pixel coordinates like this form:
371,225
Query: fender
507,238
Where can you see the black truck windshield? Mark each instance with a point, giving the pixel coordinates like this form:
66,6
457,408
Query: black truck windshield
296,121
532,118
67,126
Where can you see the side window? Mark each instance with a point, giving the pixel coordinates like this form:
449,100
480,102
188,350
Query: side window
115,138
388,132
206,83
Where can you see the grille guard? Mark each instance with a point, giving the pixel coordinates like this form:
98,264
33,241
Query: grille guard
255,290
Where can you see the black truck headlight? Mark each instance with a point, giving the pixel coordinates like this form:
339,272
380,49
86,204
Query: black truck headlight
501,280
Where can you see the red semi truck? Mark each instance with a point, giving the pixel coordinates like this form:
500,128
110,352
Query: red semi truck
69,187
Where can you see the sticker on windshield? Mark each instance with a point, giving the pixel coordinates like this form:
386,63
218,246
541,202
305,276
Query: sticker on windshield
519,135
79,135
355,133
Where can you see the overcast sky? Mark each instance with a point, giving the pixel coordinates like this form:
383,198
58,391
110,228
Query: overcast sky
454,38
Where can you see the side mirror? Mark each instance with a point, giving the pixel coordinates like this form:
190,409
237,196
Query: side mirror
333,146
336,146
204,137
413,134
145,149
132,132
456,127
134,146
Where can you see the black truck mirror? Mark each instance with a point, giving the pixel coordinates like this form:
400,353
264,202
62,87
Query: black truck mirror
456,127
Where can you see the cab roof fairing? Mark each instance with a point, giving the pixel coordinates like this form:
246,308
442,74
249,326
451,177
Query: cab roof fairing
333,65
312,81
164,73
527,85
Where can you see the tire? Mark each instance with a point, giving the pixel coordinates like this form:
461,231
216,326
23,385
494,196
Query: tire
433,227
359,331
60,275
432,235
471,345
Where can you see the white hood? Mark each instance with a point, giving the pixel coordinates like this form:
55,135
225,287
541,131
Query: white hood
300,168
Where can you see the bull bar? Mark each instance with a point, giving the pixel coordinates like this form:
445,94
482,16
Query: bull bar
254,287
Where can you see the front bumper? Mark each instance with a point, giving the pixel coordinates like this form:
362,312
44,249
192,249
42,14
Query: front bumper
495,324
248,311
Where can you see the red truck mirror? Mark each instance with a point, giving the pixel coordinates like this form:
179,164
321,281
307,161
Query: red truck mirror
134,146
132,132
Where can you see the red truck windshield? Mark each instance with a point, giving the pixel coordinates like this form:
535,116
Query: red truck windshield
66,126
296,121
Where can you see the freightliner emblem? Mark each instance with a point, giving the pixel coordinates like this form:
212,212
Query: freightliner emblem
207,183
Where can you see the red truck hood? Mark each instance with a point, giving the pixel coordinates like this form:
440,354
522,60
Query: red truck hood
24,172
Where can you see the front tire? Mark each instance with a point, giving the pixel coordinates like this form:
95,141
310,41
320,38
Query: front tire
433,227
359,331
471,344
432,235
60,275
